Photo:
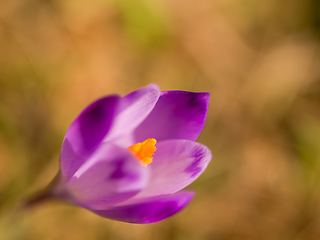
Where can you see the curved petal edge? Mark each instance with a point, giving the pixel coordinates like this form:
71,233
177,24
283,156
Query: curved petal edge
86,133
111,175
176,164
149,210
131,111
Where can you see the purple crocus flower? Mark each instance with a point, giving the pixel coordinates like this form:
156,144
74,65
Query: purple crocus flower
127,158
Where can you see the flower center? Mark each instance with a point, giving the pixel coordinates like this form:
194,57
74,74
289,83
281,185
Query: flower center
143,151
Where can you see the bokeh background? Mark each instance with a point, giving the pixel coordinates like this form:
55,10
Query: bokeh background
260,60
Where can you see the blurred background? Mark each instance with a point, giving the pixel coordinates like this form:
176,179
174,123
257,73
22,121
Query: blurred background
260,60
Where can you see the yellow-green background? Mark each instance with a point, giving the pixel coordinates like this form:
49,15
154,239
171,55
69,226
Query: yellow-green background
259,59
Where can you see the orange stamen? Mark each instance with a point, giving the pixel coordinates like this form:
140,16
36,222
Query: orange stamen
143,151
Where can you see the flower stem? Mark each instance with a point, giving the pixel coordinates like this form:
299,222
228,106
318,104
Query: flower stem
41,196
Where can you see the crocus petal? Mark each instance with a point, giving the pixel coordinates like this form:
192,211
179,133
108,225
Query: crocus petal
149,210
111,175
132,110
86,133
177,115
176,164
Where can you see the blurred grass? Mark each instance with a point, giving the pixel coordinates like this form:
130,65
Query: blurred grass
258,59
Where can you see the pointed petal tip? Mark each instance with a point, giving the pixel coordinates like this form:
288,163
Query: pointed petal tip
177,115
206,96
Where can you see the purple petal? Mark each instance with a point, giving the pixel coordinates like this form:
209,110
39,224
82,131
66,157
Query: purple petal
133,109
86,133
111,175
177,115
149,210
176,164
